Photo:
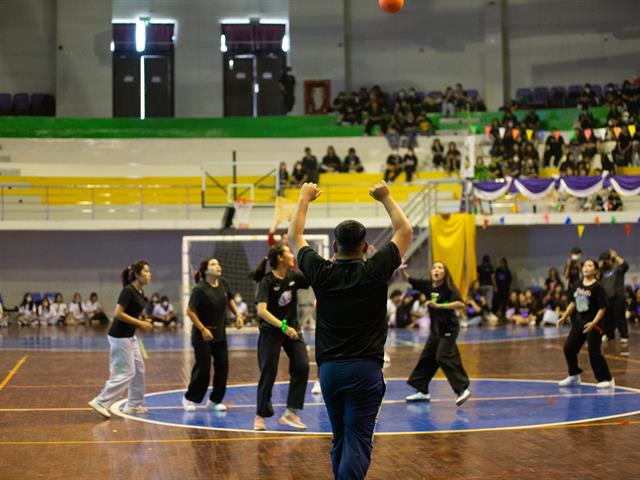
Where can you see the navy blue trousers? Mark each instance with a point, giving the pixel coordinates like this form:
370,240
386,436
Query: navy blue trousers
352,391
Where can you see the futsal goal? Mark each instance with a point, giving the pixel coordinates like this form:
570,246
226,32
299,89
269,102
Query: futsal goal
239,255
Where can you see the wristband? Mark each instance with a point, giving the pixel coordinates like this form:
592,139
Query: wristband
283,327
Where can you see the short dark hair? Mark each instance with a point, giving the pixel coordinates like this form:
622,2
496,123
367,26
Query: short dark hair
395,293
349,235
605,256
575,250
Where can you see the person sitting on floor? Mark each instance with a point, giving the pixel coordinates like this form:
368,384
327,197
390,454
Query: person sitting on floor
164,312
94,310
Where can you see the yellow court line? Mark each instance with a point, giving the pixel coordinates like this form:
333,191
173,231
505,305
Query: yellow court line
287,437
176,440
13,371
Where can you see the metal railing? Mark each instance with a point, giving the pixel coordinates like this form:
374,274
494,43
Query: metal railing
418,209
150,201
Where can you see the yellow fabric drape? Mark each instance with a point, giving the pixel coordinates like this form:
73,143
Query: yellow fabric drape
453,242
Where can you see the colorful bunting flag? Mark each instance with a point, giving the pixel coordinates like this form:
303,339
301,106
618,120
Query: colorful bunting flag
567,221
627,229
547,218
617,131
596,220
501,220
501,130
487,129
580,230
587,134
632,129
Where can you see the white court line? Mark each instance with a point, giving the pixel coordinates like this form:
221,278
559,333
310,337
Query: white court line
115,409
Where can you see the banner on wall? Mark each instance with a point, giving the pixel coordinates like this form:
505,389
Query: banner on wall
453,242
537,188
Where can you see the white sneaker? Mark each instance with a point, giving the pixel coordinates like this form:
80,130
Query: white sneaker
387,358
605,338
609,384
624,341
463,397
316,390
570,381
188,405
133,410
418,397
216,407
100,408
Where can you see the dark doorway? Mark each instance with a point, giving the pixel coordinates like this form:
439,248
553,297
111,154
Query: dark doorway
157,86
239,86
126,85
143,70
252,64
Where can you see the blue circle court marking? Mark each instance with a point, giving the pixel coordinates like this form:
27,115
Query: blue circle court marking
496,404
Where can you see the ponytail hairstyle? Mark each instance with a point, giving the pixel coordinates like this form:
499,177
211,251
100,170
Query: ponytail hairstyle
201,272
271,258
130,273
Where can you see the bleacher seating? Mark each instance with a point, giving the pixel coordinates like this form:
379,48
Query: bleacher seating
23,104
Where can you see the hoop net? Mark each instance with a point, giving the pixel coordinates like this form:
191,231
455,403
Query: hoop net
243,208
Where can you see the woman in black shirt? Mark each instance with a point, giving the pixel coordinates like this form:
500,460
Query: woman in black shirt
126,366
441,350
590,302
207,309
279,329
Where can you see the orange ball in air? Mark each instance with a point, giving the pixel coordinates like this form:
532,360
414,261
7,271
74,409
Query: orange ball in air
391,6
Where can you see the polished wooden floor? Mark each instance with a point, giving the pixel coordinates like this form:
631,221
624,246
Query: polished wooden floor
47,430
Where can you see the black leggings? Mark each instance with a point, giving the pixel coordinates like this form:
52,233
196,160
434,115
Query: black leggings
439,352
615,317
269,345
574,343
201,373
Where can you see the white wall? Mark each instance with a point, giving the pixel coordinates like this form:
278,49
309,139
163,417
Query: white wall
317,45
430,44
84,73
27,46
573,41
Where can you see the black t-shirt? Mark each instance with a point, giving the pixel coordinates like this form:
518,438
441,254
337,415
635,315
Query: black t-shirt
588,299
133,303
352,303
503,279
444,322
485,271
210,304
280,295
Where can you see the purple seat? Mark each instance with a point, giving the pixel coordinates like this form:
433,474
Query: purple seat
472,93
5,104
50,295
597,89
43,104
36,297
21,105
558,97
540,97
573,94
524,96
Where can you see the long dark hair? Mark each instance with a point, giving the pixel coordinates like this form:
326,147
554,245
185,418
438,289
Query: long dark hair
271,258
24,301
201,272
448,281
130,273
596,266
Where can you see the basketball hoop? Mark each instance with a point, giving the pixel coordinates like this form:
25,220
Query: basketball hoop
243,212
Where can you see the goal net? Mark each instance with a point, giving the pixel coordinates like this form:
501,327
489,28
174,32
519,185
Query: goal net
239,255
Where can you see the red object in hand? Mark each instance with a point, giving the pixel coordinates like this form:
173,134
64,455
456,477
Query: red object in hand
391,6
